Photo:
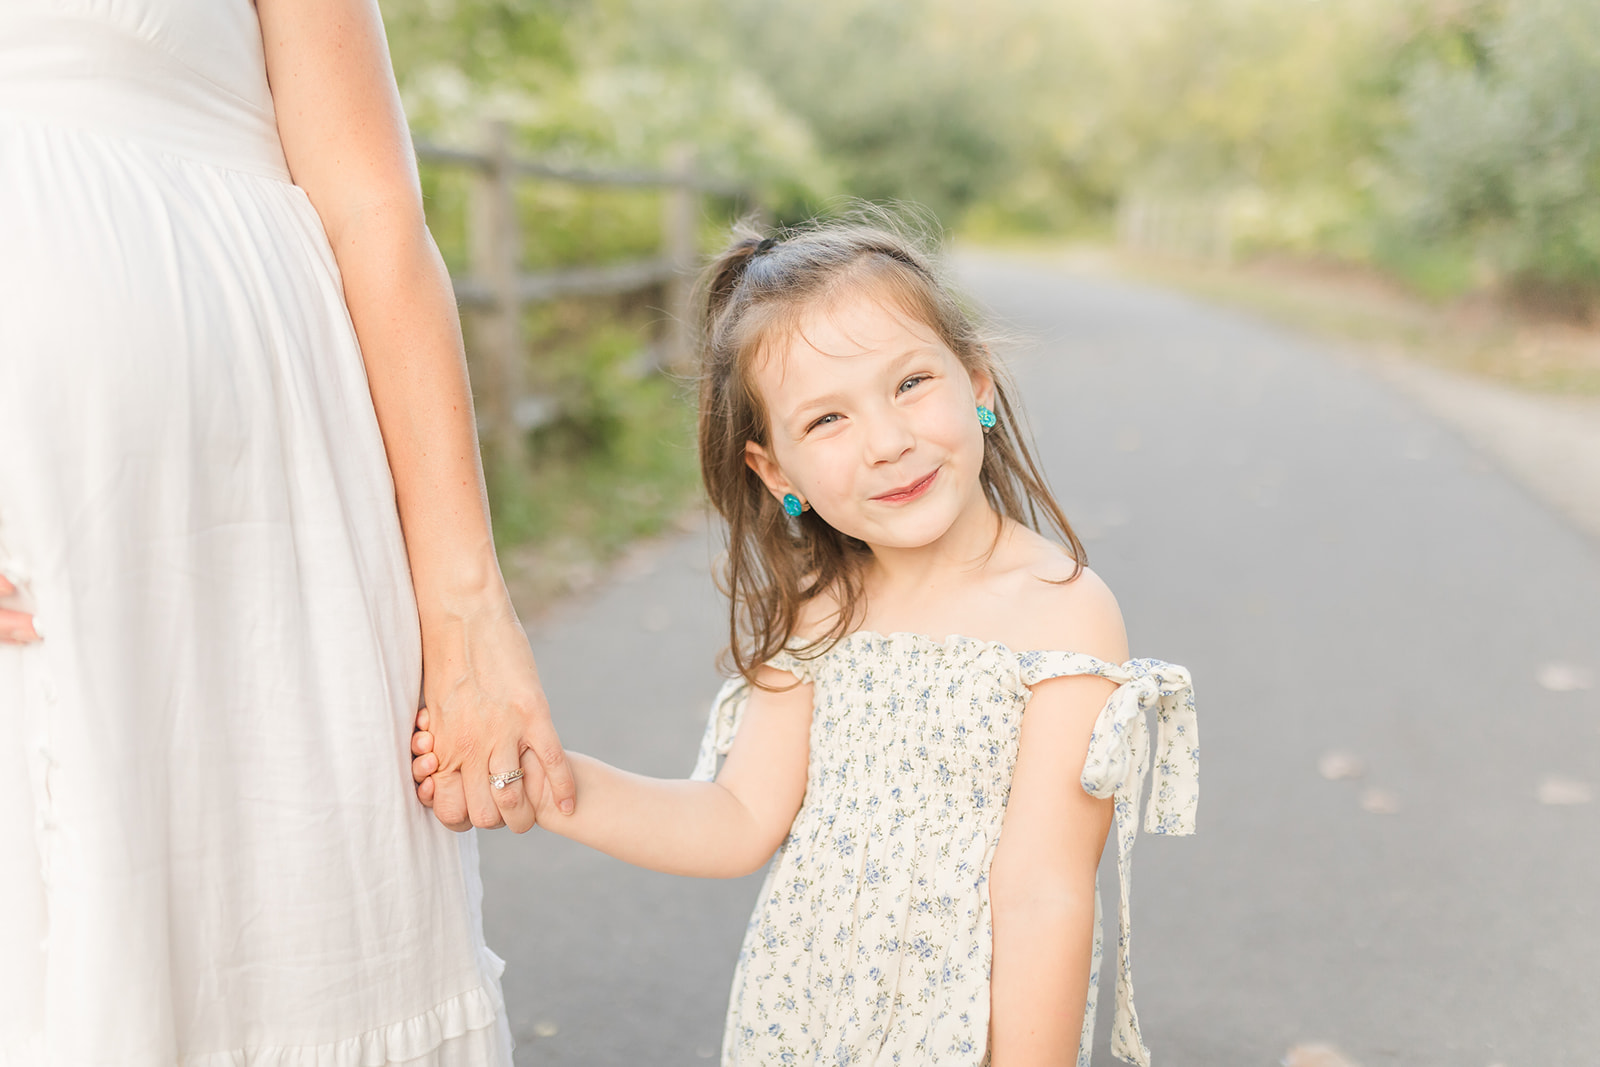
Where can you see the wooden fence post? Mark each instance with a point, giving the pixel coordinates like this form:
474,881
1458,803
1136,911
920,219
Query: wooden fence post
680,218
495,248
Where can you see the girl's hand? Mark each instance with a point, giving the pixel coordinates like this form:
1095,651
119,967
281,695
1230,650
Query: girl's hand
487,714
424,763
16,627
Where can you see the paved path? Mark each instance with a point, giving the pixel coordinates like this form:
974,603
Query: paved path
1340,573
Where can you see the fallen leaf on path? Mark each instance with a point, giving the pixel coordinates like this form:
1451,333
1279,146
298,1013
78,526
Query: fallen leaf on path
1377,801
1316,1056
1565,677
1556,790
1338,764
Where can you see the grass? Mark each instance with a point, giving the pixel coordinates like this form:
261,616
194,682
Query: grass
618,465
1477,334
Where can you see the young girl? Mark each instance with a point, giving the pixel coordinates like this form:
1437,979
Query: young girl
894,613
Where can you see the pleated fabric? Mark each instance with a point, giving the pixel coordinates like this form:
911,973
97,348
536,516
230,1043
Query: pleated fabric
212,852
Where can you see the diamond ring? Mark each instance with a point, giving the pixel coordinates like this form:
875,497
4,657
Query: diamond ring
500,781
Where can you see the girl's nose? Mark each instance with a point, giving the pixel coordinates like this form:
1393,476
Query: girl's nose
888,438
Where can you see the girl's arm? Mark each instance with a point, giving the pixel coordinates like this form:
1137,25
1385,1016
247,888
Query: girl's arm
1041,883
347,145
721,829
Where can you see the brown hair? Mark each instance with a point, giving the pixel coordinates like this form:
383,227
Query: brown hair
755,293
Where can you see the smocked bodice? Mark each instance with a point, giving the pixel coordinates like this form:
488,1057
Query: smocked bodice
872,934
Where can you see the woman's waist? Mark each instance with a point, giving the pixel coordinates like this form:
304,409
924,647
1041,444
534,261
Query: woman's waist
87,75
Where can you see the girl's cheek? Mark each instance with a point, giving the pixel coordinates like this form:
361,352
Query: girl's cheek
952,426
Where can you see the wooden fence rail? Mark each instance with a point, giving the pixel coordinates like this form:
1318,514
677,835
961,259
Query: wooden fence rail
1196,227
495,291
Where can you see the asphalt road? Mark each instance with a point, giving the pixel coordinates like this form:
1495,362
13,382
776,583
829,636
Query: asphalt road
1339,572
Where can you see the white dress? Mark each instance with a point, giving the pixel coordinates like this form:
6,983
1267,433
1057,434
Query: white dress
211,850
871,940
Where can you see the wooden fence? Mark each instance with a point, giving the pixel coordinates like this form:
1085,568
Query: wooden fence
1195,227
496,290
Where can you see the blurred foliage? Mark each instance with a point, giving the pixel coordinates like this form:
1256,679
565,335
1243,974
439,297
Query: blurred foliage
619,461
1501,146
1455,142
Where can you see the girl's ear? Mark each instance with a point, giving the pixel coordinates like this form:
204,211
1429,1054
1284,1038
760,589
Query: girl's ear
760,460
982,388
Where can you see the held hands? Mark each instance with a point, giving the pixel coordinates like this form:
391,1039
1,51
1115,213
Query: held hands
485,714
424,763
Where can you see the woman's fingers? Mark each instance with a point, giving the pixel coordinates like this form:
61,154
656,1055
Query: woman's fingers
509,797
482,810
450,800
16,628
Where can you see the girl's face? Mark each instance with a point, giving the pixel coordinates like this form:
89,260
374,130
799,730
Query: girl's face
874,424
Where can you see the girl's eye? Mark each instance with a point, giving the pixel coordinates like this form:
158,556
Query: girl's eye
824,421
909,382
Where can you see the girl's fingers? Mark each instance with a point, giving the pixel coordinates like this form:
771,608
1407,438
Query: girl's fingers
6,588
422,718
425,792
421,741
422,768
553,760
16,628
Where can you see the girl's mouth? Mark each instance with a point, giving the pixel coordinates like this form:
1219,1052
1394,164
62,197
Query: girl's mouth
908,492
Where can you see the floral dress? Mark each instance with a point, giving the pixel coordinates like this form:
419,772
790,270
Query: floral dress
871,939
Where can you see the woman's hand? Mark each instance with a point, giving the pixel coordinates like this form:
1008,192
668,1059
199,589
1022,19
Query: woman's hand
486,714
424,763
16,627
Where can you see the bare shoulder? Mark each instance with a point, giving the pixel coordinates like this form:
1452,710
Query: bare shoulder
1061,605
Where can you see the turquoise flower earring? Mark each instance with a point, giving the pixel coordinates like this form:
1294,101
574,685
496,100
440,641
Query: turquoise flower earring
986,418
792,506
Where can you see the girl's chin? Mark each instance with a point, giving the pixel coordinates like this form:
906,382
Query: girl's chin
911,532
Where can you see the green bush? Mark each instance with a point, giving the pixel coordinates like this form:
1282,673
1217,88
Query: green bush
1503,149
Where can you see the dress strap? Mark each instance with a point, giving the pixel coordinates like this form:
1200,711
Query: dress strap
727,710
1119,757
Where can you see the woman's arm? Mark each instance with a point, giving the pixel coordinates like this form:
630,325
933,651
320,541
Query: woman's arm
348,146
1041,884
721,829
